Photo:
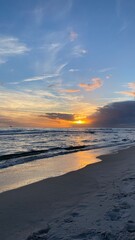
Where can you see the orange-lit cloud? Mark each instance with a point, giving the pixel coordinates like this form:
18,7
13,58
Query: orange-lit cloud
70,90
131,85
96,83
25,108
128,93
70,119
131,93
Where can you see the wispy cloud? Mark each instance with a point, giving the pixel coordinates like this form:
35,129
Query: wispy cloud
103,70
56,74
73,36
38,15
121,16
96,83
54,46
27,101
73,70
10,46
2,61
70,90
46,76
128,93
131,93
131,85
78,51
118,7
124,26
60,68
108,76
40,78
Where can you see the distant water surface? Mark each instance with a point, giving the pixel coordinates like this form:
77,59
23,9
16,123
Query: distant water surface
21,145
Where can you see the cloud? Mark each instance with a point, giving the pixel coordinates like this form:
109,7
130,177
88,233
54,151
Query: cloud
57,10
70,90
73,70
30,101
73,36
131,93
60,116
103,70
38,15
131,85
40,78
117,114
78,51
60,68
108,76
44,76
54,46
96,83
2,61
128,93
118,7
10,46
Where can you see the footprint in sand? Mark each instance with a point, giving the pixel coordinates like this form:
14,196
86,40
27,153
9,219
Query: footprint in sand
113,215
128,179
75,214
40,235
95,235
71,218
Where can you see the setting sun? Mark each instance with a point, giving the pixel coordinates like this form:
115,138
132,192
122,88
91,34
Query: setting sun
79,122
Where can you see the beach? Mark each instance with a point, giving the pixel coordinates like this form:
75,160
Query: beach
96,202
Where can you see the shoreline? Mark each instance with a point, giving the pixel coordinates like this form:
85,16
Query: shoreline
28,173
87,201
18,158
31,172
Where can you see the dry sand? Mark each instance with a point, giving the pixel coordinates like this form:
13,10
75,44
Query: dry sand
97,202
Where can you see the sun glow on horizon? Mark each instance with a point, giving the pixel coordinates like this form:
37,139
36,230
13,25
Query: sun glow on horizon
79,122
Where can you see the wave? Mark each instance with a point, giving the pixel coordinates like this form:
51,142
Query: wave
36,152
21,157
39,131
16,131
9,160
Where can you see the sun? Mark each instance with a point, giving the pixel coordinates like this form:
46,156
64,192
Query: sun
79,122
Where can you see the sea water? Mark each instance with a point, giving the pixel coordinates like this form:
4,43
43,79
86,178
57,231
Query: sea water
21,145
30,155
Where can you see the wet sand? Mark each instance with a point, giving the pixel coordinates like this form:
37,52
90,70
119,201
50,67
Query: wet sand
96,202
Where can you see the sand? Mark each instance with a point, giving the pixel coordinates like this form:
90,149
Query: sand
96,202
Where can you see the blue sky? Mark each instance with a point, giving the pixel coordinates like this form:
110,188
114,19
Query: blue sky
64,56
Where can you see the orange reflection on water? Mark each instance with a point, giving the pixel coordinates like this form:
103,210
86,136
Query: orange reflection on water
84,158
24,174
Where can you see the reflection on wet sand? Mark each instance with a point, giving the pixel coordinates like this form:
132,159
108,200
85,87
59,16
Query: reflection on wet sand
24,174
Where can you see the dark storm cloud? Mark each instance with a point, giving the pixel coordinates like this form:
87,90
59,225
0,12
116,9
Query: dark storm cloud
59,116
117,114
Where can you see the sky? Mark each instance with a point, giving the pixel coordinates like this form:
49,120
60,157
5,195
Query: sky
67,63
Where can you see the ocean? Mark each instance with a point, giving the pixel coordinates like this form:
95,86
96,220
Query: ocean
22,145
